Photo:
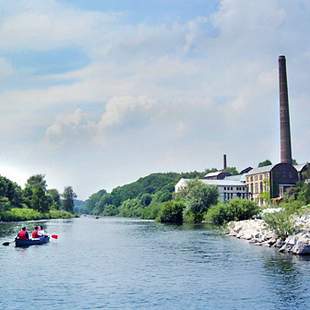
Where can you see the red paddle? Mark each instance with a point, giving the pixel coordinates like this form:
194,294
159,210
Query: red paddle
54,236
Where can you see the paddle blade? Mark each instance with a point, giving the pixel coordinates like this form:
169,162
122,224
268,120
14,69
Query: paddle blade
54,236
6,243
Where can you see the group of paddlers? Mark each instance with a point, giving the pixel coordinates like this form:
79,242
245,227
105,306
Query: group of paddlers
37,233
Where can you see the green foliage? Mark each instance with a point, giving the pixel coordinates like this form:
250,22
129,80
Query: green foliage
264,163
20,214
146,199
131,208
59,214
110,210
162,196
172,212
234,210
281,223
303,193
198,198
35,194
26,214
151,212
10,194
232,170
68,199
54,198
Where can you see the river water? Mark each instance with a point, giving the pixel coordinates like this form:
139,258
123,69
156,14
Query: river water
116,263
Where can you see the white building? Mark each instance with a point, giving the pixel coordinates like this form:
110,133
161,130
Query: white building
227,189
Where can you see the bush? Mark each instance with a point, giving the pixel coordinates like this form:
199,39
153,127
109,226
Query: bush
281,223
234,210
198,197
110,210
59,214
171,212
26,214
131,208
20,214
151,212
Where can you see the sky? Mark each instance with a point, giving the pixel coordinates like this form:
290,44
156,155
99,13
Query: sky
95,94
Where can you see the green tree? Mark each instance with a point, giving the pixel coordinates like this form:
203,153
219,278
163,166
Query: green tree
264,163
198,197
146,199
35,194
234,210
55,198
11,193
232,170
172,212
68,199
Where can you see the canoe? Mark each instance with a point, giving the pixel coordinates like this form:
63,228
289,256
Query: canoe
25,243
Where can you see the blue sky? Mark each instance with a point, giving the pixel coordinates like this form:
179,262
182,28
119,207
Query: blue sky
95,94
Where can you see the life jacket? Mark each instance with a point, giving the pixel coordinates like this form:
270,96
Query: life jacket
35,234
22,235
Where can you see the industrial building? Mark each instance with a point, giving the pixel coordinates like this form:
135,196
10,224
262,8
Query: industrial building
265,183
227,189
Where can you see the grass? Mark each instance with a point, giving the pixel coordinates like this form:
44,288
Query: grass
27,214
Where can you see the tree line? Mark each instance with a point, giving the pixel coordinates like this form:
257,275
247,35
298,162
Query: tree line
143,197
35,195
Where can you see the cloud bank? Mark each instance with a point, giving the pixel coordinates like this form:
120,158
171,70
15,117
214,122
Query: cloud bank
170,95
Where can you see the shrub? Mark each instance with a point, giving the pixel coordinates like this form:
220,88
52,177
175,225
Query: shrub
198,197
172,212
151,212
131,208
110,210
281,223
20,214
59,214
234,210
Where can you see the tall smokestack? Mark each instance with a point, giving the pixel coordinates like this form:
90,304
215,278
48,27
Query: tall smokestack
285,132
225,161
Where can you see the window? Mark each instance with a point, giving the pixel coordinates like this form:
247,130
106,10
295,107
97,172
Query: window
261,187
256,188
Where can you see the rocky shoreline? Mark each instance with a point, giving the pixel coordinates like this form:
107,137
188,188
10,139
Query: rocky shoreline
256,232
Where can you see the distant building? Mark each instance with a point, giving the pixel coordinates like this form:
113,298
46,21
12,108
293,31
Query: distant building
270,181
303,171
227,189
217,175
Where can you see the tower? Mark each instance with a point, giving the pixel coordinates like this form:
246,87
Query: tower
285,132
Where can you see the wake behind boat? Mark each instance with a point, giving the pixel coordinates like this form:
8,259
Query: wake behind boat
25,243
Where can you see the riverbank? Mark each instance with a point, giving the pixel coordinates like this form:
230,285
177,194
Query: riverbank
27,214
258,233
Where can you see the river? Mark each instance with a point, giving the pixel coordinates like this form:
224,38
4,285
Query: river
116,263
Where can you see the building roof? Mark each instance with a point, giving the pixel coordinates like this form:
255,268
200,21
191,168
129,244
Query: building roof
300,167
213,174
237,177
224,182
260,170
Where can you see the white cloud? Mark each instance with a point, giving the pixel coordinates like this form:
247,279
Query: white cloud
181,92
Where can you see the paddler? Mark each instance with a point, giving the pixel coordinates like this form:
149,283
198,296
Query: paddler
35,233
23,234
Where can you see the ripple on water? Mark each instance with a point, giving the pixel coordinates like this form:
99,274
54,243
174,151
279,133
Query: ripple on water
131,264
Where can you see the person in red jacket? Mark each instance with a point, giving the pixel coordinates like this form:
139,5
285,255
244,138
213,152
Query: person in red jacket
23,234
35,233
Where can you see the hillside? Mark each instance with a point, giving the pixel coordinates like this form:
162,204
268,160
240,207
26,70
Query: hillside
152,189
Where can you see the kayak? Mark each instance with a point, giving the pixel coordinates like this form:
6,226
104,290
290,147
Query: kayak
25,243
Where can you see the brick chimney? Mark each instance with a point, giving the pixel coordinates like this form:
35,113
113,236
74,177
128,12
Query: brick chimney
285,132
225,162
